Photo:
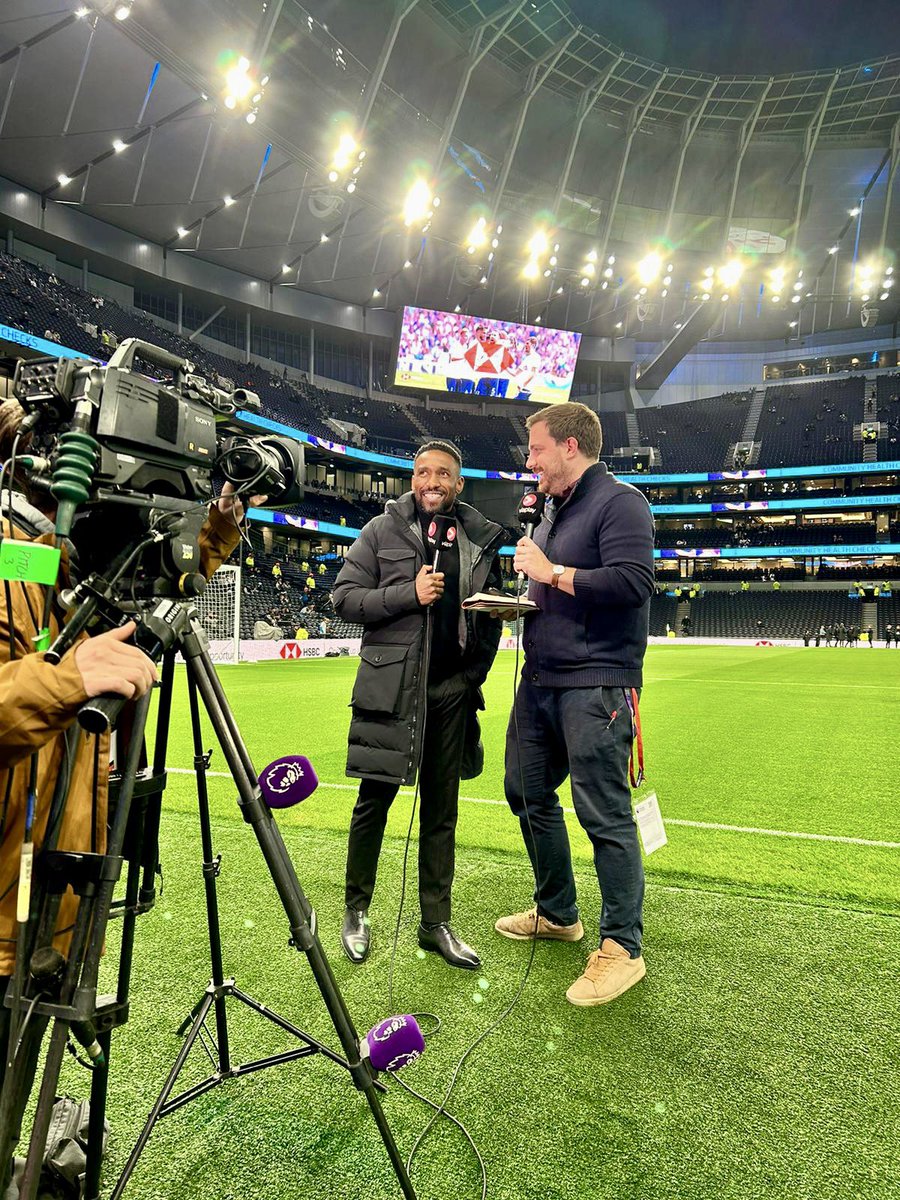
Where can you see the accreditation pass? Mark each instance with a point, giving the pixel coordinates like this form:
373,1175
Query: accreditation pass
650,823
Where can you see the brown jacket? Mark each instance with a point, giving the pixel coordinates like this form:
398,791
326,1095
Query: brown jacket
38,702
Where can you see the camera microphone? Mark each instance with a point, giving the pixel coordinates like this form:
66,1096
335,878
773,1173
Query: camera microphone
287,781
47,968
393,1043
440,537
531,509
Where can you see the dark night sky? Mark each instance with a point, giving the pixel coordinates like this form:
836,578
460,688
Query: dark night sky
747,36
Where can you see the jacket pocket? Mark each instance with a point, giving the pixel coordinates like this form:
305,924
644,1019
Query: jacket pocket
396,565
379,679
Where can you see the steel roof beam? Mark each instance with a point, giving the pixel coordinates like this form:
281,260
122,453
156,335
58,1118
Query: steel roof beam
588,99
744,139
690,127
635,117
402,9
889,191
810,140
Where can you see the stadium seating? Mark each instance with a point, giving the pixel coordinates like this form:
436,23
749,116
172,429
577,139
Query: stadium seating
763,614
695,436
811,423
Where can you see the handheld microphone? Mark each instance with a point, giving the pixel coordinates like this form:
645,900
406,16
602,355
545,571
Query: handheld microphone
531,509
393,1043
440,537
287,781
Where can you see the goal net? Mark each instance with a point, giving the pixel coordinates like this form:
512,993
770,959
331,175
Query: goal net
220,612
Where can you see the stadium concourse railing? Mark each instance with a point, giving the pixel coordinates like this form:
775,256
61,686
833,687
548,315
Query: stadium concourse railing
865,550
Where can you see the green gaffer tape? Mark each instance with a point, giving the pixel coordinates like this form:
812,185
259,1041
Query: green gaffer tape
29,561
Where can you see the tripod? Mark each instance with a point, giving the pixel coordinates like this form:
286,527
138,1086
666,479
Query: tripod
93,878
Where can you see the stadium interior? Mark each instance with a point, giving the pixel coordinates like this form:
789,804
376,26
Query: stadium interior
264,189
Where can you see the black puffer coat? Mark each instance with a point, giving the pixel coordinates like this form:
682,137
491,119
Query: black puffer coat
376,588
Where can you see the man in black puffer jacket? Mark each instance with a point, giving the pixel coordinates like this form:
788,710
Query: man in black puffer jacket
416,697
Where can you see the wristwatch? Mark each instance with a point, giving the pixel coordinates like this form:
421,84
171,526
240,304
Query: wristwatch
556,576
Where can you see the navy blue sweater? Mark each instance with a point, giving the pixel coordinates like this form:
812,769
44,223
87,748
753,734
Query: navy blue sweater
598,636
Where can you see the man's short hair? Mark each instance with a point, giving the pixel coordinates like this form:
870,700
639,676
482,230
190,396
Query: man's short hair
444,447
572,421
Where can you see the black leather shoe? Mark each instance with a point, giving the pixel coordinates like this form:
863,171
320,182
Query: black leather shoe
444,941
356,937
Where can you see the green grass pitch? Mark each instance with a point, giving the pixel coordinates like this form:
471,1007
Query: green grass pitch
759,1060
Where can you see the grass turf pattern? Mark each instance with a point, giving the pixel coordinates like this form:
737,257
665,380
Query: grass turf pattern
758,1059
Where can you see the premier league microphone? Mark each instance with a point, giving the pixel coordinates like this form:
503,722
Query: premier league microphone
287,781
394,1043
440,537
531,509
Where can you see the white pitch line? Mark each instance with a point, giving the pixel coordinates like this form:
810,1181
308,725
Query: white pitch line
714,825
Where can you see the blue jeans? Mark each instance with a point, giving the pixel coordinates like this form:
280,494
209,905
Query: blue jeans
584,733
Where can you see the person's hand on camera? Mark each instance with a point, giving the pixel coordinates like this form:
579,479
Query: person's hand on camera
108,664
429,586
228,502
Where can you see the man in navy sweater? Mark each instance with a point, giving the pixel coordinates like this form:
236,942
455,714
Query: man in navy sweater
590,567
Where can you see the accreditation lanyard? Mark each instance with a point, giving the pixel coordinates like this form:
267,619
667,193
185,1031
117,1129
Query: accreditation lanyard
637,777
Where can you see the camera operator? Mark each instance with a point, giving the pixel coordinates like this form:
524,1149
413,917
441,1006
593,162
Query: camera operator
38,707
590,566
387,585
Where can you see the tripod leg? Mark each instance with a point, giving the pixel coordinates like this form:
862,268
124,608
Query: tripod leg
96,1123
296,905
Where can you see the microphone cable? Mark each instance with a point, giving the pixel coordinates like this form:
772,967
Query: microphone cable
440,1108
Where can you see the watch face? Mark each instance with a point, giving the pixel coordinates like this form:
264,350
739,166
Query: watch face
558,570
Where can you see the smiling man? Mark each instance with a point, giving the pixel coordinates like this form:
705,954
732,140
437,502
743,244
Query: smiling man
418,687
590,570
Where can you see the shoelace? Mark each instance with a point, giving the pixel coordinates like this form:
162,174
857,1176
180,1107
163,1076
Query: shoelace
598,963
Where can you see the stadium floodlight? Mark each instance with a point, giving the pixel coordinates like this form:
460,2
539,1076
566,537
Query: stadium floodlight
238,83
776,299
833,249
123,11
664,293
709,271
670,268
584,281
538,244
63,179
855,211
608,272
883,296
251,117
604,285
553,260
795,299
706,295
730,272
351,187
477,235
228,201
798,286
667,279
376,293
407,264
865,296
724,297
323,238
119,145
537,319
547,273
531,270
332,176
419,203
889,270
649,267
83,11
347,147
456,308
792,324
589,269
618,324
483,279
559,291
612,260
182,232
285,268
591,256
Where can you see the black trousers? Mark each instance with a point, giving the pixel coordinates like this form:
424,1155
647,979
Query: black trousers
445,725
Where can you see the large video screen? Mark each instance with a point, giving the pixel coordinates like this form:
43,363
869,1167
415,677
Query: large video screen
475,356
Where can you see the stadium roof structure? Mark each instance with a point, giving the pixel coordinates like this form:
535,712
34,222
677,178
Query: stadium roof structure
848,103
512,109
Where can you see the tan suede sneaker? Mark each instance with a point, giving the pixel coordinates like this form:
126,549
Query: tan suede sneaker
521,927
610,971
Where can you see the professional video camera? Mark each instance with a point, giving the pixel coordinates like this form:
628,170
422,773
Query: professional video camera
136,455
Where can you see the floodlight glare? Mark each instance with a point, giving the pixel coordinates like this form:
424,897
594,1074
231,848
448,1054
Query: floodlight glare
238,84
611,260
407,264
584,281
538,244
228,201
62,180
418,203
376,294
883,296
531,270
351,187
456,308
250,118
592,256
648,268
855,211
477,234
559,291
588,268
833,249
731,272
118,145
182,232
608,272
795,299
346,147
776,299
83,11
285,268
123,11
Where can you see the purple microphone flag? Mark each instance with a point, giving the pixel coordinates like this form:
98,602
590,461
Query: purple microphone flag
287,781
394,1043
